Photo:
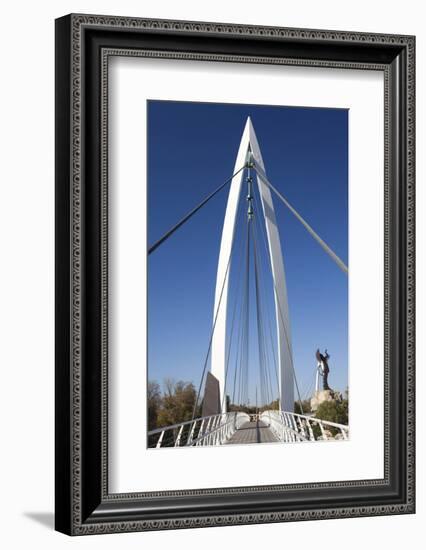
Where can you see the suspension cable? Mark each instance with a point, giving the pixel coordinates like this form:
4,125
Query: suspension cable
214,326
288,342
308,392
260,333
246,327
191,213
240,352
259,228
232,328
261,174
268,374
239,346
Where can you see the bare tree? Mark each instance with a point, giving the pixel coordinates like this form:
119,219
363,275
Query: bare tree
154,403
177,403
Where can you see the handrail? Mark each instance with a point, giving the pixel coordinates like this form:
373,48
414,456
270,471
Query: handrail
217,429
206,430
289,426
327,422
173,426
220,427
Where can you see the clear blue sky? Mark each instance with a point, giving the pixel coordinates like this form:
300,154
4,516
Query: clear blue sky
191,150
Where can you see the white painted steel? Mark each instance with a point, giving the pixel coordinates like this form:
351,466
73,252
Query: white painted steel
218,350
298,427
218,429
285,352
218,353
208,430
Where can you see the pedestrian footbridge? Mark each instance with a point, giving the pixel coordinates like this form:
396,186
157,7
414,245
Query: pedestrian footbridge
250,251
239,428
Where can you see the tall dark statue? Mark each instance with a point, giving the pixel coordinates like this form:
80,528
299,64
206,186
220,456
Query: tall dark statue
323,367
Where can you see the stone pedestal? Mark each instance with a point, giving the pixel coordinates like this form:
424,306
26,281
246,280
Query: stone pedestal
323,395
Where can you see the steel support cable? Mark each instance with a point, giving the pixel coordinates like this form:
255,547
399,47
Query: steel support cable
262,231
288,344
240,334
261,358
214,325
306,393
323,245
310,387
228,355
232,329
261,339
243,333
269,377
245,338
191,213
267,362
274,359
247,342
240,355
238,348
241,329
260,332
259,230
236,395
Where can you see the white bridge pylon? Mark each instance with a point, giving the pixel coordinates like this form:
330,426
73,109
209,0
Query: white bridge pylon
284,347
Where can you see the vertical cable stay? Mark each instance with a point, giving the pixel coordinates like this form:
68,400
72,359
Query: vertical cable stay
245,349
311,386
265,383
259,227
239,359
214,326
242,358
232,330
261,174
240,337
278,301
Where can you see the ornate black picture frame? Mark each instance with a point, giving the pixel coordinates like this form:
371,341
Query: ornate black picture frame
83,45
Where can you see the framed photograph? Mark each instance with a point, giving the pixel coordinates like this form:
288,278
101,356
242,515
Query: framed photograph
234,274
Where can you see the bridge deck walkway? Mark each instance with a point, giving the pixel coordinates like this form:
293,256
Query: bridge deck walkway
253,432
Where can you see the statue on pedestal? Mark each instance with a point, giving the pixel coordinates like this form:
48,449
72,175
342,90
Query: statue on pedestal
323,368
326,394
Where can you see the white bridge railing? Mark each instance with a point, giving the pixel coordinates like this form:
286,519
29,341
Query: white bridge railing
289,427
207,430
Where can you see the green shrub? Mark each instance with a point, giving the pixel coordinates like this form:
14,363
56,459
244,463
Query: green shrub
306,405
333,411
